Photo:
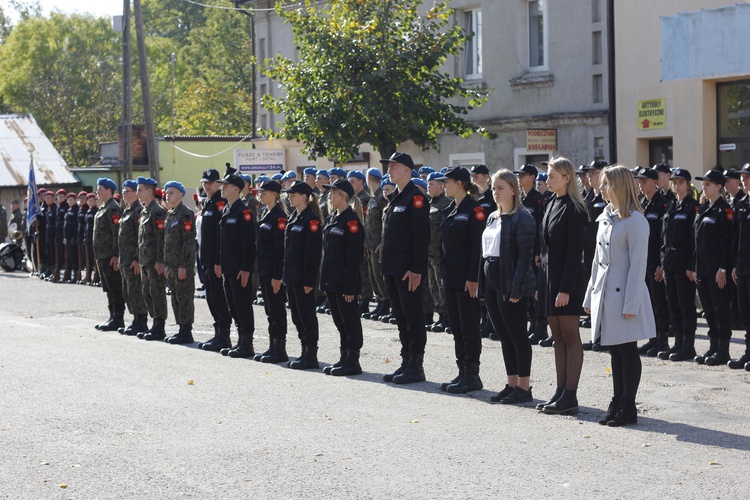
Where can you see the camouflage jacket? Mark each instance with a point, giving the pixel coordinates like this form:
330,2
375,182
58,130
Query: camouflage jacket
374,220
151,234
437,205
179,238
106,229
128,239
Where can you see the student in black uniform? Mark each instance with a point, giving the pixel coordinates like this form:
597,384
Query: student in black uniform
461,229
561,281
713,240
340,274
480,177
50,221
664,181
734,192
595,205
70,239
270,242
406,238
654,205
235,258
678,245
83,208
741,265
302,252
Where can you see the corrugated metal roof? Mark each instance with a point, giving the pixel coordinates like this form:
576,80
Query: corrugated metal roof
20,134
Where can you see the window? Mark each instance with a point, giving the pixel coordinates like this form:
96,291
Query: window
263,121
598,89
473,26
596,11
596,47
537,34
261,50
733,123
263,89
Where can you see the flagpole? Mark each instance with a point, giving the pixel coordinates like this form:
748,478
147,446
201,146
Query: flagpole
36,244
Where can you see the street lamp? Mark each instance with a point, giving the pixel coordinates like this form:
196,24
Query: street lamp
237,5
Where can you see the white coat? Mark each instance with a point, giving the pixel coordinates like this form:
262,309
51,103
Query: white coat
618,280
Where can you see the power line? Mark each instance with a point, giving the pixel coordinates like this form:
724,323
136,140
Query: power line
249,9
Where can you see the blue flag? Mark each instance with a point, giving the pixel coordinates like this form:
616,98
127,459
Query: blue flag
32,210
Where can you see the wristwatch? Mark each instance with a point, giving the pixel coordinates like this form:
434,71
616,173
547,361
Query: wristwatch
722,270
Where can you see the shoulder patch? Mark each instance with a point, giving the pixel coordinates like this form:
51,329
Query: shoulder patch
418,201
479,213
314,225
115,219
220,205
188,225
730,214
353,226
248,215
160,224
281,224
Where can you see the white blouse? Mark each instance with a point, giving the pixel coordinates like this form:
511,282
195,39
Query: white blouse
491,239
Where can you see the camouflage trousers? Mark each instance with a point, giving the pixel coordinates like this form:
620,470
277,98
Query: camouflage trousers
436,296
132,291
365,292
154,288
183,296
372,259
112,286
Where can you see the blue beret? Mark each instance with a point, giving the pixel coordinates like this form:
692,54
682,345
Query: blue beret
177,185
277,177
310,171
148,181
420,182
541,176
289,175
386,182
443,170
356,174
436,176
338,171
323,172
426,170
414,174
261,178
107,183
246,178
130,184
375,172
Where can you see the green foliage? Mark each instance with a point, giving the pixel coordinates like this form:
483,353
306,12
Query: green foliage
370,71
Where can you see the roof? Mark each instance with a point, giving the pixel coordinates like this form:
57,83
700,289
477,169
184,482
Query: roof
20,134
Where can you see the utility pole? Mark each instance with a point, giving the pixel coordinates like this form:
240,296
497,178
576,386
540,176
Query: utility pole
127,96
237,4
153,159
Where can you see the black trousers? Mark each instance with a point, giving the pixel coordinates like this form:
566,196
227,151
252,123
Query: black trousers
409,313
303,314
715,303
240,302
463,316
273,304
657,291
217,300
71,259
681,301
347,320
626,370
743,302
49,244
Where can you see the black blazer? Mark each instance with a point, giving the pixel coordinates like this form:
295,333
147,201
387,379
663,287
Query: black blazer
678,240
343,252
461,249
236,251
302,248
270,242
713,239
406,233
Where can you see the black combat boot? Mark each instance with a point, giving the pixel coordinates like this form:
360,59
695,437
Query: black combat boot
678,336
117,322
244,348
157,331
687,350
643,350
567,404
183,337
662,344
712,346
138,324
220,341
626,414
739,363
537,336
267,352
428,322
364,306
457,379
413,372
374,312
107,322
337,364
308,360
351,365
469,382
384,311
611,411
278,352
440,325
404,362
721,356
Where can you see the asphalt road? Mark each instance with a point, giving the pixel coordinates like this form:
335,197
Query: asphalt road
109,416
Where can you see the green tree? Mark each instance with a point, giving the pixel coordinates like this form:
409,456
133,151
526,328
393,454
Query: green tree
370,71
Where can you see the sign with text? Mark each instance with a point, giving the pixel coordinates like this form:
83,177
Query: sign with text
652,114
260,161
541,139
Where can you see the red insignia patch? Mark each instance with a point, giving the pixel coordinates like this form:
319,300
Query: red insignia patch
730,214
188,225
479,213
248,215
418,201
160,224
115,219
696,208
353,226
220,205
281,224
364,210
314,225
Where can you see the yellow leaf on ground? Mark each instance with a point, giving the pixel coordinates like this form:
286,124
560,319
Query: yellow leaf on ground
190,382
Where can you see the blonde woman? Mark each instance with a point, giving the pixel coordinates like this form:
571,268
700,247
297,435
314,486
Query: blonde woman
617,295
562,281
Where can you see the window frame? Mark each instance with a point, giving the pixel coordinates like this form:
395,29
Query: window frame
473,47
543,4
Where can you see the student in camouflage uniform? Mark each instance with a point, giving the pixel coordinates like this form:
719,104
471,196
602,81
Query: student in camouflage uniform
129,266
179,261
358,180
151,258
323,177
438,202
106,252
373,237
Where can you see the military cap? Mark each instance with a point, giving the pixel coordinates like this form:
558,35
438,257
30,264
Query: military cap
375,172
458,173
210,175
713,176
402,158
338,171
542,176
426,170
234,180
662,167
436,176
323,172
480,169
732,173
277,177
343,185
270,185
107,183
310,171
681,173
647,173
527,169
61,192
420,182
289,175
299,187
